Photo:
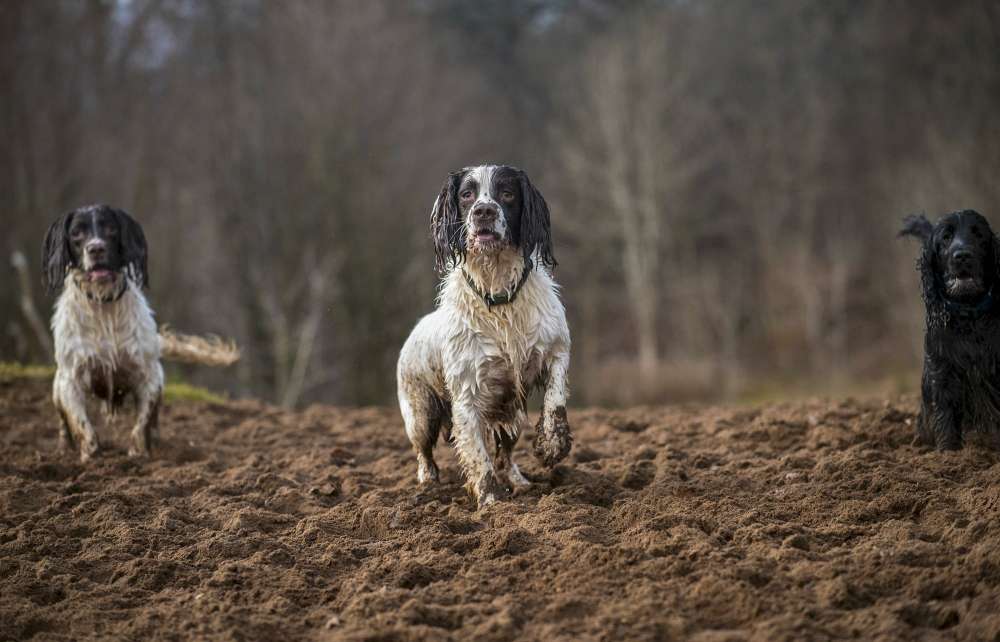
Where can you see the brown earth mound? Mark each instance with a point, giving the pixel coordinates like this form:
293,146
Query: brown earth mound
802,521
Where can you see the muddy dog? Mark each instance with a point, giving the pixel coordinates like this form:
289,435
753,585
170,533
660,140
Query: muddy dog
958,267
106,342
499,332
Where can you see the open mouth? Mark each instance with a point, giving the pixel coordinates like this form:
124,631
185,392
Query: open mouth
486,237
963,284
100,274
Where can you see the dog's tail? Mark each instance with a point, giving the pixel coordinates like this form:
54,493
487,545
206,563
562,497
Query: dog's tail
208,351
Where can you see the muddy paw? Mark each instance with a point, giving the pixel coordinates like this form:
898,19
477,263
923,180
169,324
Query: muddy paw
552,438
427,472
490,490
88,448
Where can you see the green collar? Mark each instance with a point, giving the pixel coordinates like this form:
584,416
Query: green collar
499,299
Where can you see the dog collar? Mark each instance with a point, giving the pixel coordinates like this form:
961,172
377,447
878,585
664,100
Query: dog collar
492,300
970,310
111,298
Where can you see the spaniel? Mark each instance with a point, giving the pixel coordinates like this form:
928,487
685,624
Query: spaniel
960,388
498,333
106,342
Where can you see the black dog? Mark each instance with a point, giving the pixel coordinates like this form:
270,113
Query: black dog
961,381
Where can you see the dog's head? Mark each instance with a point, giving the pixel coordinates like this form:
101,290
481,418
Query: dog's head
959,257
99,245
487,209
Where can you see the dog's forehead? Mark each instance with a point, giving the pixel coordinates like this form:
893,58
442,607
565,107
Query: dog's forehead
964,218
487,176
93,216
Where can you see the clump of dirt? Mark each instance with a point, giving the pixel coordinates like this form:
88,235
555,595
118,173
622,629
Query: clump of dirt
786,522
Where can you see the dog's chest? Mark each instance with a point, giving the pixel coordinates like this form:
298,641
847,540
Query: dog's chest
98,342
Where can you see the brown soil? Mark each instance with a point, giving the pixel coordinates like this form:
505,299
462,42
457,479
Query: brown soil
813,520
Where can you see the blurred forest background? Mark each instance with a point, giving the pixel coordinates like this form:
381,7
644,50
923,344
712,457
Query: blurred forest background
726,177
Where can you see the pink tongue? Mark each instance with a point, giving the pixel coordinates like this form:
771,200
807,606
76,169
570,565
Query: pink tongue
99,275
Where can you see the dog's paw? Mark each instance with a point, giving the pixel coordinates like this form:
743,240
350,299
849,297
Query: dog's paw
489,490
517,479
137,451
88,448
427,472
553,439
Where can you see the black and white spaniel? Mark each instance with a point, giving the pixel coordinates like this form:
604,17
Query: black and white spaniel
106,341
960,269
499,332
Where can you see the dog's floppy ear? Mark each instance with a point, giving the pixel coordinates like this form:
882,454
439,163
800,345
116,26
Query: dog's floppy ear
917,225
535,226
446,224
56,255
133,247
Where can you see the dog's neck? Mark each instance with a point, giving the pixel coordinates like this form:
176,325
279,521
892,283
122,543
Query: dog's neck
971,310
496,278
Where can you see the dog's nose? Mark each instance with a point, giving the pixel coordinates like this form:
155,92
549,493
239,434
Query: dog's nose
95,250
962,255
484,213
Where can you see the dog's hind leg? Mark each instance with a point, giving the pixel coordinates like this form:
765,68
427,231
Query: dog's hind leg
422,421
148,396
506,439
146,424
66,441
71,402
470,435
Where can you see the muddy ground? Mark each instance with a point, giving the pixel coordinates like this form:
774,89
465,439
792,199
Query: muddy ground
813,520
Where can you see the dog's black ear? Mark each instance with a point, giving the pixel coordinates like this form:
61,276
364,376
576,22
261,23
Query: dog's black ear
446,224
917,225
133,248
56,255
996,258
536,232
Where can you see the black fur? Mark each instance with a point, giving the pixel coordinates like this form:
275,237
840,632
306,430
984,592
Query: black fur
961,378
535,226
128,251
135,252
56,255
446,224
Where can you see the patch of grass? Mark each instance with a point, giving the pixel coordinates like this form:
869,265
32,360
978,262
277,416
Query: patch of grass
10,370
179,391
173,391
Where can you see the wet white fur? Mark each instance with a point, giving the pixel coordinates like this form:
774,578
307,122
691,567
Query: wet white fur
453,352
94,338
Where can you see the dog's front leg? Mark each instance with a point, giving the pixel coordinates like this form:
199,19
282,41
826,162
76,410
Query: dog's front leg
942,424
148,405
552,434
470,433
939,421
71,402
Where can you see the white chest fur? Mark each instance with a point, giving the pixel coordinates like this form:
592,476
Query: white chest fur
109,336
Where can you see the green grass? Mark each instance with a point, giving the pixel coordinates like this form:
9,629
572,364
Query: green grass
10,370
174,391
180,391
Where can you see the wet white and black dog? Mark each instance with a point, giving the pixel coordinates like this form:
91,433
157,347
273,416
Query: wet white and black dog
106,342
498,333
959,268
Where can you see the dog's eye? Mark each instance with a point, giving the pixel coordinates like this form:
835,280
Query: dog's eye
947,233
978,233
507,196
76,233
466,195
